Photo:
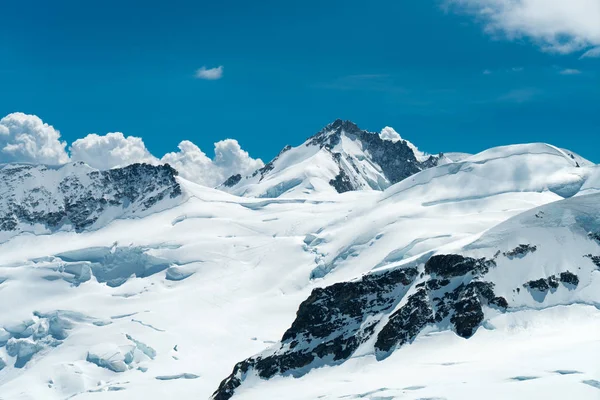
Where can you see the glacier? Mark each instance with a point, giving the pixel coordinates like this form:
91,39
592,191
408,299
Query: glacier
467,277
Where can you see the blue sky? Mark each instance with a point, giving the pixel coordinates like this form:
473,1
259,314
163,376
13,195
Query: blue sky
436,75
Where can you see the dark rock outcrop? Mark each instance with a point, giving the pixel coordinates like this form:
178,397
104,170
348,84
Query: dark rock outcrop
553,282
595,259
453,265
397,160
334,321
82,194
520,251
232,180
330,324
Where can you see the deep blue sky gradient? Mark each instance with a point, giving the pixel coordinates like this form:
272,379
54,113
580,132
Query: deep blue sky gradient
290,67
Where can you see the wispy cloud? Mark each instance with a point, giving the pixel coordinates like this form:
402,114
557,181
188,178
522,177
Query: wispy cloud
519,95
560,26
365,82
593,53
570,71
210,74
487,72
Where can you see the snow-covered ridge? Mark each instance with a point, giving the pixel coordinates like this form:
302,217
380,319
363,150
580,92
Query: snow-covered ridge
544,258
535,167
339,158
42,199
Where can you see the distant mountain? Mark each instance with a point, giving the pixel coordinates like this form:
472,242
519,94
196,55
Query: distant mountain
341,157
40,198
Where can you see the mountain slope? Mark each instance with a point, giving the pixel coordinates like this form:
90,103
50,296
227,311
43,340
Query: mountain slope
341,157
44,199
543,258
381,288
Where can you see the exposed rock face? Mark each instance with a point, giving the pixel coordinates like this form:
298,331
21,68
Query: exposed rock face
329,324
520,251
397,160
232,180
342,155
334,321
453,265
553,282
78,195
595,259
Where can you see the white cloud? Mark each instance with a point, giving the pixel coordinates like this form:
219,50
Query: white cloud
211,74
26,138
390,134
570,71
193,164
519,95
487,72
111,150
593,53
562,26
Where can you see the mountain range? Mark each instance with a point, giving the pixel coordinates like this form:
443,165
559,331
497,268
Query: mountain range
353,266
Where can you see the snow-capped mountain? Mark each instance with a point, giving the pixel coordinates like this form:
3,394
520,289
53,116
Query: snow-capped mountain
43,199
341,157
457,277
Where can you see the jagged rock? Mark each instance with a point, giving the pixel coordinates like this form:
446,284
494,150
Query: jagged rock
569,278
334,321
396,159
329,324
342,183
520,251
453,265
595,259
78,195
232,180
404,325
543,285
361,160
595,236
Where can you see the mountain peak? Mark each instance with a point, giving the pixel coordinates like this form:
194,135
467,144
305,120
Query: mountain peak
342,157
330,135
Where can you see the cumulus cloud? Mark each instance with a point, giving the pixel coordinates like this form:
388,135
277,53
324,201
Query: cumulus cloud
211,74
193,164
111,150
562,26
390,134
26,138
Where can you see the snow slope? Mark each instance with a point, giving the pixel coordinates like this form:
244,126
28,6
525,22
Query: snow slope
542,260
165,304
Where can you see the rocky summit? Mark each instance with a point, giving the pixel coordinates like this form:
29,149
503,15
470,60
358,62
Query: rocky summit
341,157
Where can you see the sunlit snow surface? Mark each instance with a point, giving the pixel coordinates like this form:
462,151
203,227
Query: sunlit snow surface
164,306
